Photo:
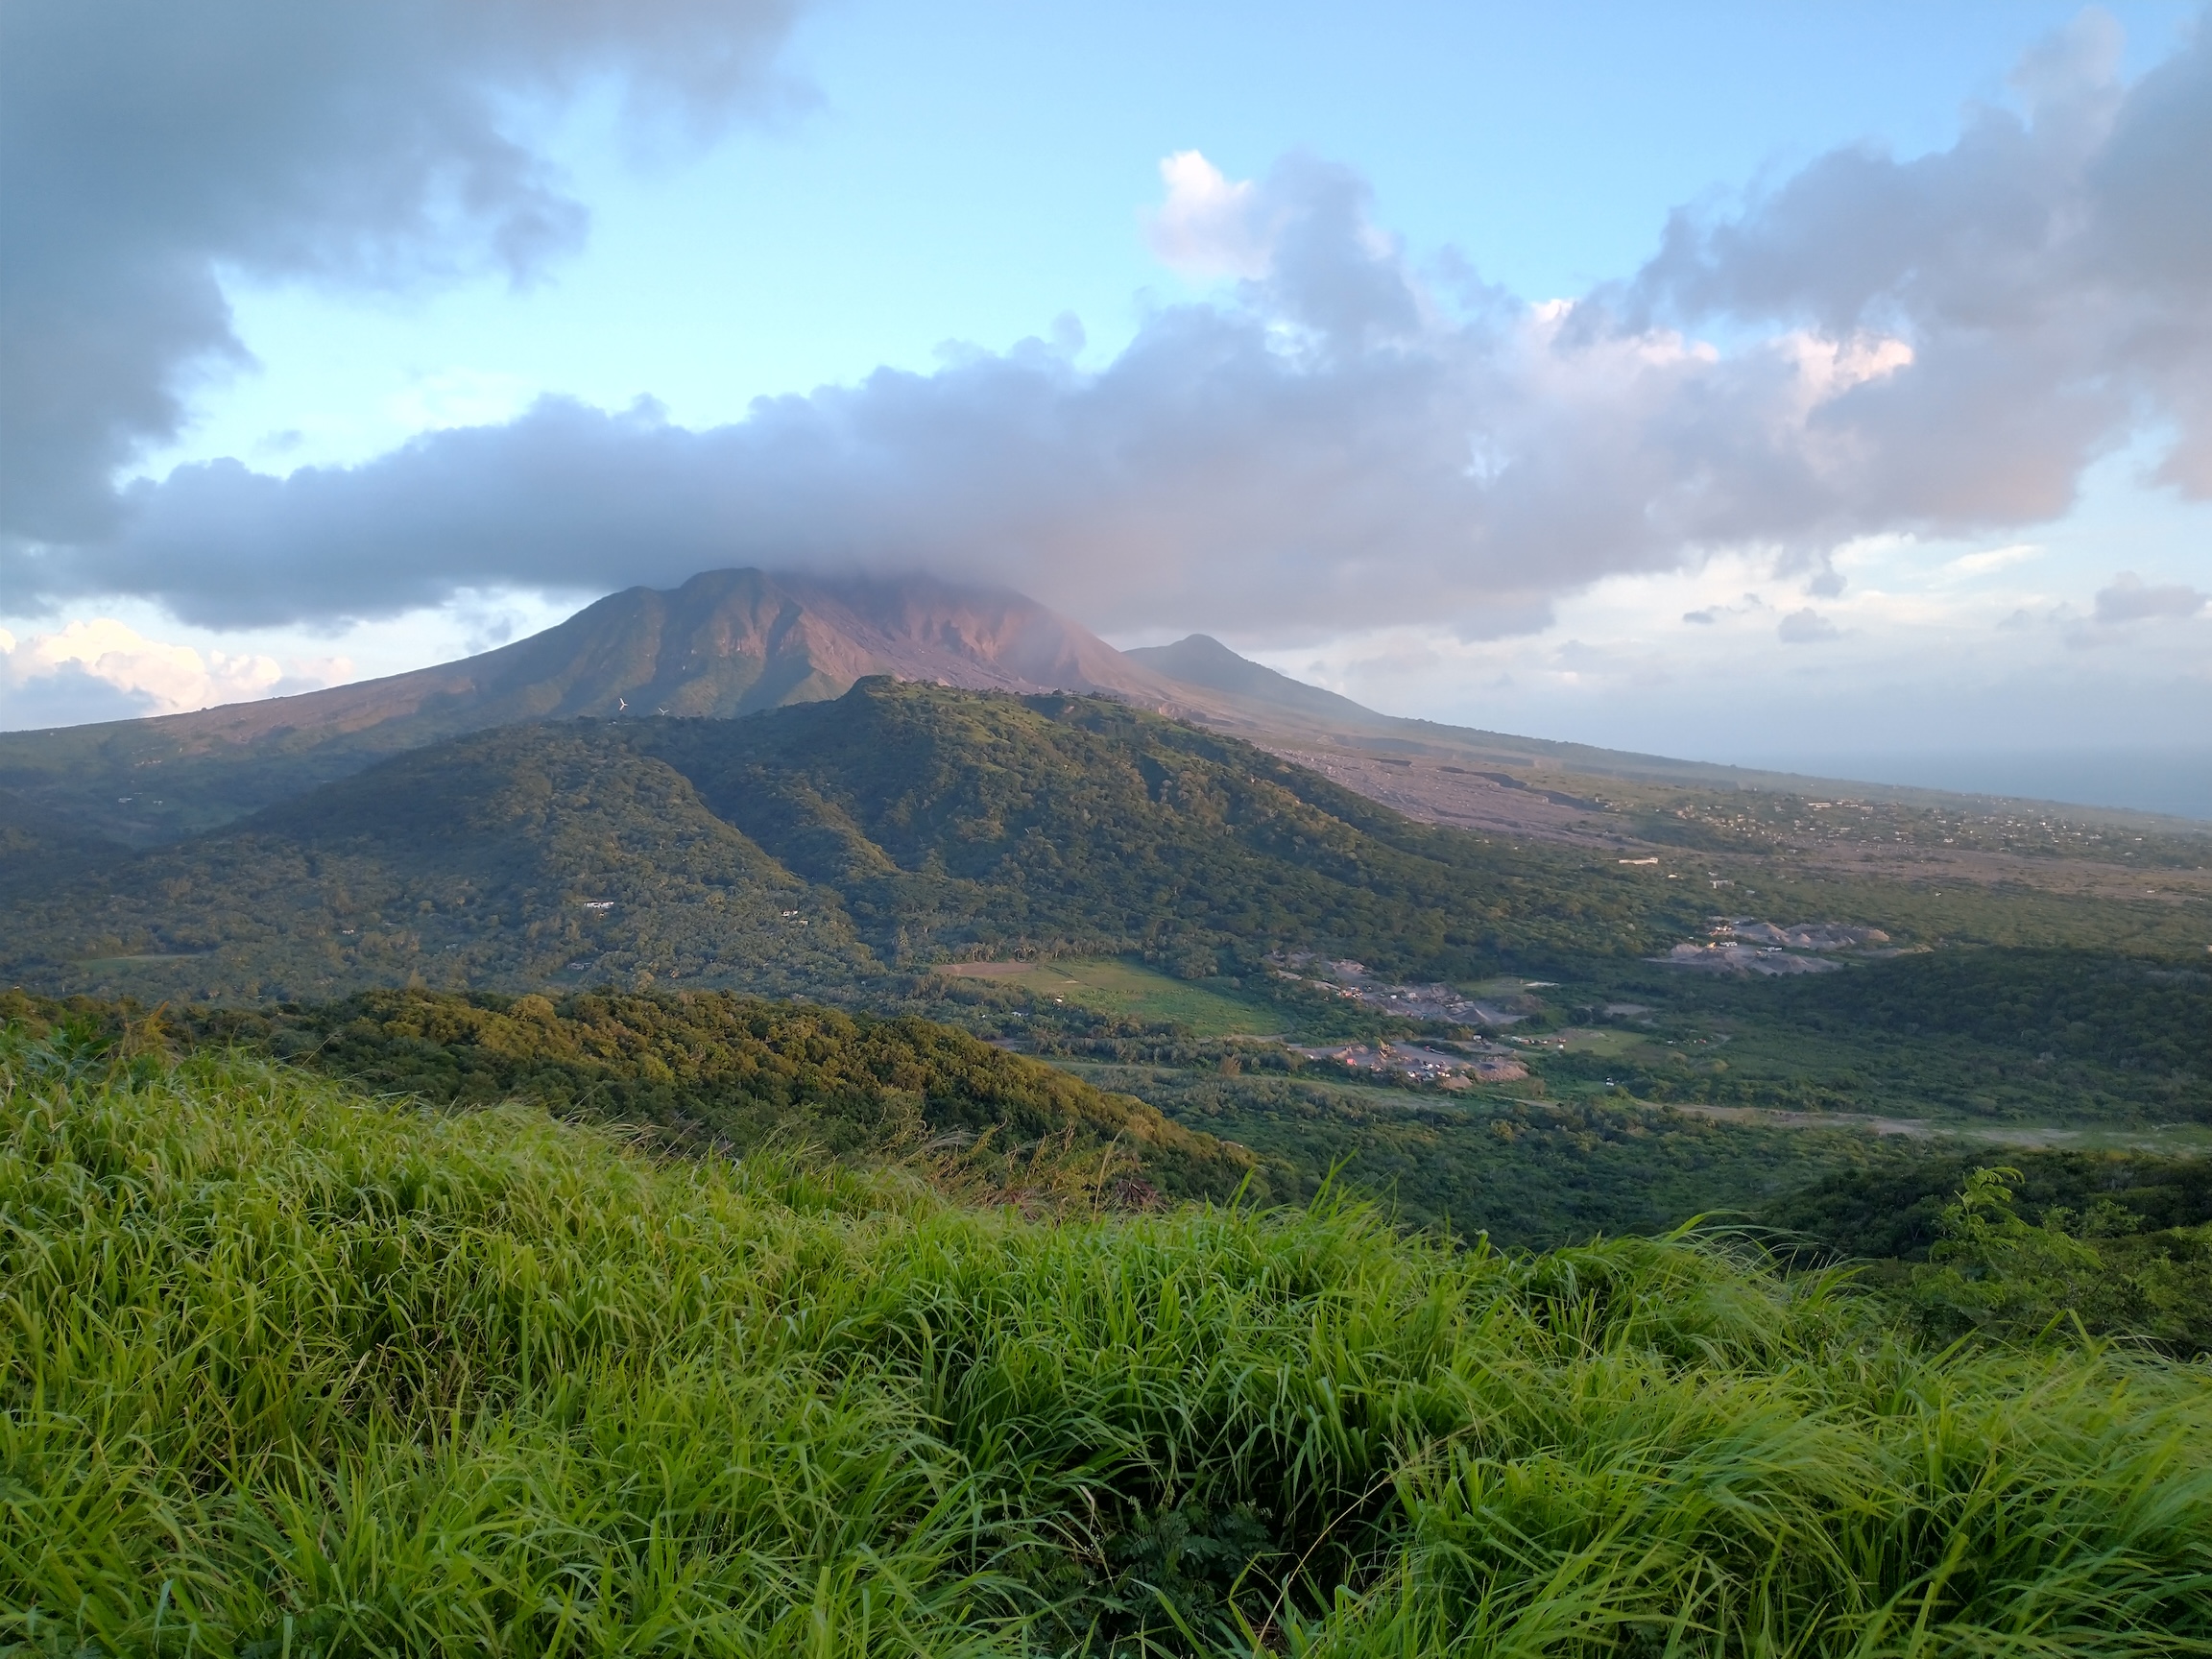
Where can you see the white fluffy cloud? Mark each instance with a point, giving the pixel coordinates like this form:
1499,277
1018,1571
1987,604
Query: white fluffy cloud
1696,663
1208,226
111,669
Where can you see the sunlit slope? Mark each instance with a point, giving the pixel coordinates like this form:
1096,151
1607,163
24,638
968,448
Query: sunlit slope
310,1373
811,845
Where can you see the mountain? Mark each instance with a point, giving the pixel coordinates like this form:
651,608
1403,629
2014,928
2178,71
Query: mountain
806,848
1201,662
738,642
30,833
728,643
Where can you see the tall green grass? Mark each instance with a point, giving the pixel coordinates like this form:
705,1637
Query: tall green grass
286,1370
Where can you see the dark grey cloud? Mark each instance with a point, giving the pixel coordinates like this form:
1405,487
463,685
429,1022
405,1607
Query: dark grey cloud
1932,345
148,146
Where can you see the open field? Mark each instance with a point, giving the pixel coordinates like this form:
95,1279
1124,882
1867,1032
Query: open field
1126,990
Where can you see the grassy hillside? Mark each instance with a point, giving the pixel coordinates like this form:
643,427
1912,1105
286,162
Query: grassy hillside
298,1372
803,849
727,1073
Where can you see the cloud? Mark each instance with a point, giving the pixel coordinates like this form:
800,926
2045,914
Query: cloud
102,669
2051,274
2129,600
1208,226
1931,346
1994,559
460,398
1806,627
147,148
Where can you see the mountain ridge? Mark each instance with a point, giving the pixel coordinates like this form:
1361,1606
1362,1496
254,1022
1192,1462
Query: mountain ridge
732,643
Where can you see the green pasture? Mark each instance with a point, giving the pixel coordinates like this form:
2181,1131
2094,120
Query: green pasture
1122,989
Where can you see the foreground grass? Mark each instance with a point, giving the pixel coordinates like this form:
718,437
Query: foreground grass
284,1370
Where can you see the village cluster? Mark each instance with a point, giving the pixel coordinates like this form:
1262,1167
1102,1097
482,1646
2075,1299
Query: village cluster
1469,1061
1352,982
1476,1062
1746,945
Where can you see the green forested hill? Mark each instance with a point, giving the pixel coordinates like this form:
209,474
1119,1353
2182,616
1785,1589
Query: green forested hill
497,859
2118,1010
716,1070
806,848
727,642
1055,820
32,838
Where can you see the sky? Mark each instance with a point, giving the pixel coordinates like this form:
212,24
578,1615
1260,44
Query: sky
1786,384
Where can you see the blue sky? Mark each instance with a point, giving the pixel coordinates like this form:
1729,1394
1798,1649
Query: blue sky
923,188
969,172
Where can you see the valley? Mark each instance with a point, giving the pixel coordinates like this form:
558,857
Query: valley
1275,914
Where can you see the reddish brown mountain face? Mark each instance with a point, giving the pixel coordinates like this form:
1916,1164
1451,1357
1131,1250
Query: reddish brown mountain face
726,642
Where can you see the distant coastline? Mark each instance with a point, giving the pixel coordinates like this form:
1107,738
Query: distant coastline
2172,780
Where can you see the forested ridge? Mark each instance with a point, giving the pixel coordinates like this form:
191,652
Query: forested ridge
716,1072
